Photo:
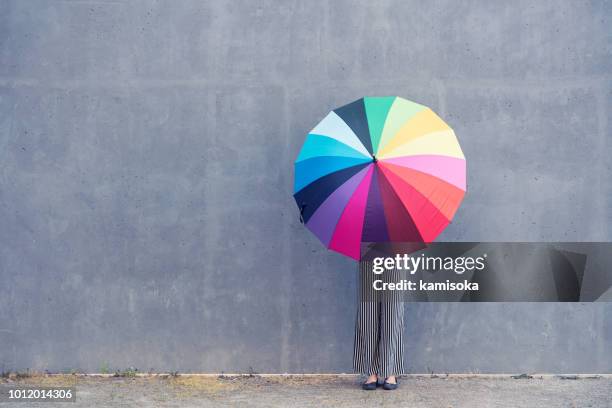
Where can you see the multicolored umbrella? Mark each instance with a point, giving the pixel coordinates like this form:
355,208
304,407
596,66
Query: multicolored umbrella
380,169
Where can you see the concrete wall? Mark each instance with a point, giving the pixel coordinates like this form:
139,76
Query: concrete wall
146,152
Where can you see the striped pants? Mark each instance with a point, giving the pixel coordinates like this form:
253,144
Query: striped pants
379,327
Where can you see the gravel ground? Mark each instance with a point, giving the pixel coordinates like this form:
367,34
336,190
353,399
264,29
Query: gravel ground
322,391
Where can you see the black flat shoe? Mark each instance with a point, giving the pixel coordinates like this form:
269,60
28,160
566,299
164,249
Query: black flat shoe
390,386
371,386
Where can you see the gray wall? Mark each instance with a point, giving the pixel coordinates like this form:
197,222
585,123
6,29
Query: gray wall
146,152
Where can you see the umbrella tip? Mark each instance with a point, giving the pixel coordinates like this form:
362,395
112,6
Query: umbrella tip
374,159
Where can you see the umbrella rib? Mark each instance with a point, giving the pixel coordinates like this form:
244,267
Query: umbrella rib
427,199
386,153
355,162
394,110
382,173
450,185
354,152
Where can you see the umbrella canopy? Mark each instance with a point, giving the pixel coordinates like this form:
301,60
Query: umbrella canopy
380,169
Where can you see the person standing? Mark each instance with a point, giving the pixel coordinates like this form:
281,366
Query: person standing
379,328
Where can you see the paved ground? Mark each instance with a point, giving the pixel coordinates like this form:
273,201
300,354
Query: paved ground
323,391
